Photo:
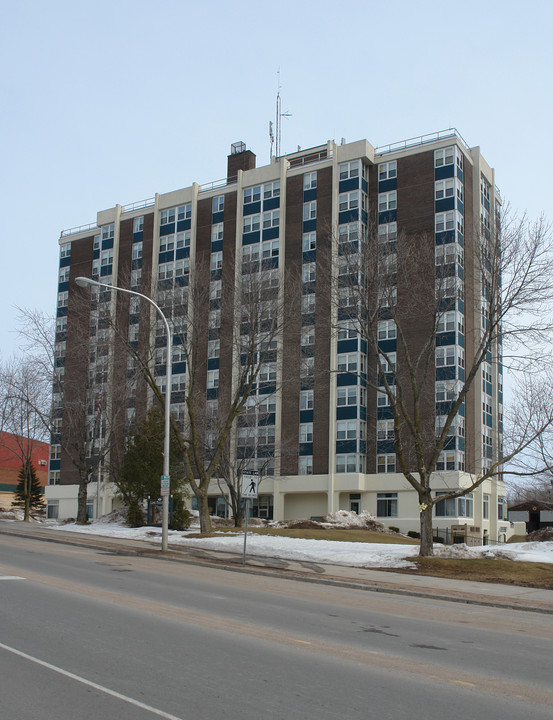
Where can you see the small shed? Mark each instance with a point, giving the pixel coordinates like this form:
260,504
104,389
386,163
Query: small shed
535,513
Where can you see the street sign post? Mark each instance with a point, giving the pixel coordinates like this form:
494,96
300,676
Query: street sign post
165,485
248,489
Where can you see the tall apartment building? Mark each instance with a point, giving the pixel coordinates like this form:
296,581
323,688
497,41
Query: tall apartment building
291,215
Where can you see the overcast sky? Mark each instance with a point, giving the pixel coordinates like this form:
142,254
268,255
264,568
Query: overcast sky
112,101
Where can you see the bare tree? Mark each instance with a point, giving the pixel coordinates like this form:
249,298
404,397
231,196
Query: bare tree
232,316
23,404
407,290
77,419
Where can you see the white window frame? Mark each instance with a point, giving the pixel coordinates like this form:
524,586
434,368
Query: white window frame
306,399
309,241
310,181
387,201
388,170
310,210
386,463
251,223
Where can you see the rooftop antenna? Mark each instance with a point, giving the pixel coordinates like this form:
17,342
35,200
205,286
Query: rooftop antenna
279,115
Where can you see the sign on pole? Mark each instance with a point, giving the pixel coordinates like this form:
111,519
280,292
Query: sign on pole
165,484
248,490
250,483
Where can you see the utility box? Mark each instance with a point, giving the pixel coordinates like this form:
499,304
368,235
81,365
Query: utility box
468,534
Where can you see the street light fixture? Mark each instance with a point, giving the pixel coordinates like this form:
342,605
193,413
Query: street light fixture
88,282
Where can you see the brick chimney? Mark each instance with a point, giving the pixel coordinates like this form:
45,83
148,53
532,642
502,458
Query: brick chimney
239,159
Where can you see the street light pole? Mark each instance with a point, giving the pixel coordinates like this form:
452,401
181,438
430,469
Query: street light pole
88,282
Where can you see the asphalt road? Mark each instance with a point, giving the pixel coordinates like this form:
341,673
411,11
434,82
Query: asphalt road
86,634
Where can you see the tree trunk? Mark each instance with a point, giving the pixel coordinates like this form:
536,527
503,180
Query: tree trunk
203,510
27,511
82,517
427,541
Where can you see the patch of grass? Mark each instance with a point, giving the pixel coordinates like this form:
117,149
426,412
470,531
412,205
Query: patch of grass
336,534
507,572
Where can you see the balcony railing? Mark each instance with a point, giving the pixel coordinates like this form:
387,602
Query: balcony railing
422,140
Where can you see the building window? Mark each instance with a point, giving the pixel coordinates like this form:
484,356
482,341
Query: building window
271,218
52,509
387,232
348,232
308,272
137,251
268,372
445,356
309,241
65,250
108,231
252,194
305,465
501,508
349,170
387,201
346,396
307,367
269,248
445,221
212,378
346,463
348,201
310,181
349,362
306,400
387,362
454,507
385,430
54,477
251,223
167,243
448,321
213,348
346,430
447,390
386,463
386,505
308,335
215,289
347,330
217,232
383,398
271,189
306,432
387,171
184,212
443,157
387,330
214,319
218,204
217,260
310,210
106,257
449,254
308,304
486,507
444,189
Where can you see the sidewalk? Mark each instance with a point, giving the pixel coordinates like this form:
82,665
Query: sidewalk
464,591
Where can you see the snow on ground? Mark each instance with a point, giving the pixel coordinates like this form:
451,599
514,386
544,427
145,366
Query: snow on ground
352,554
